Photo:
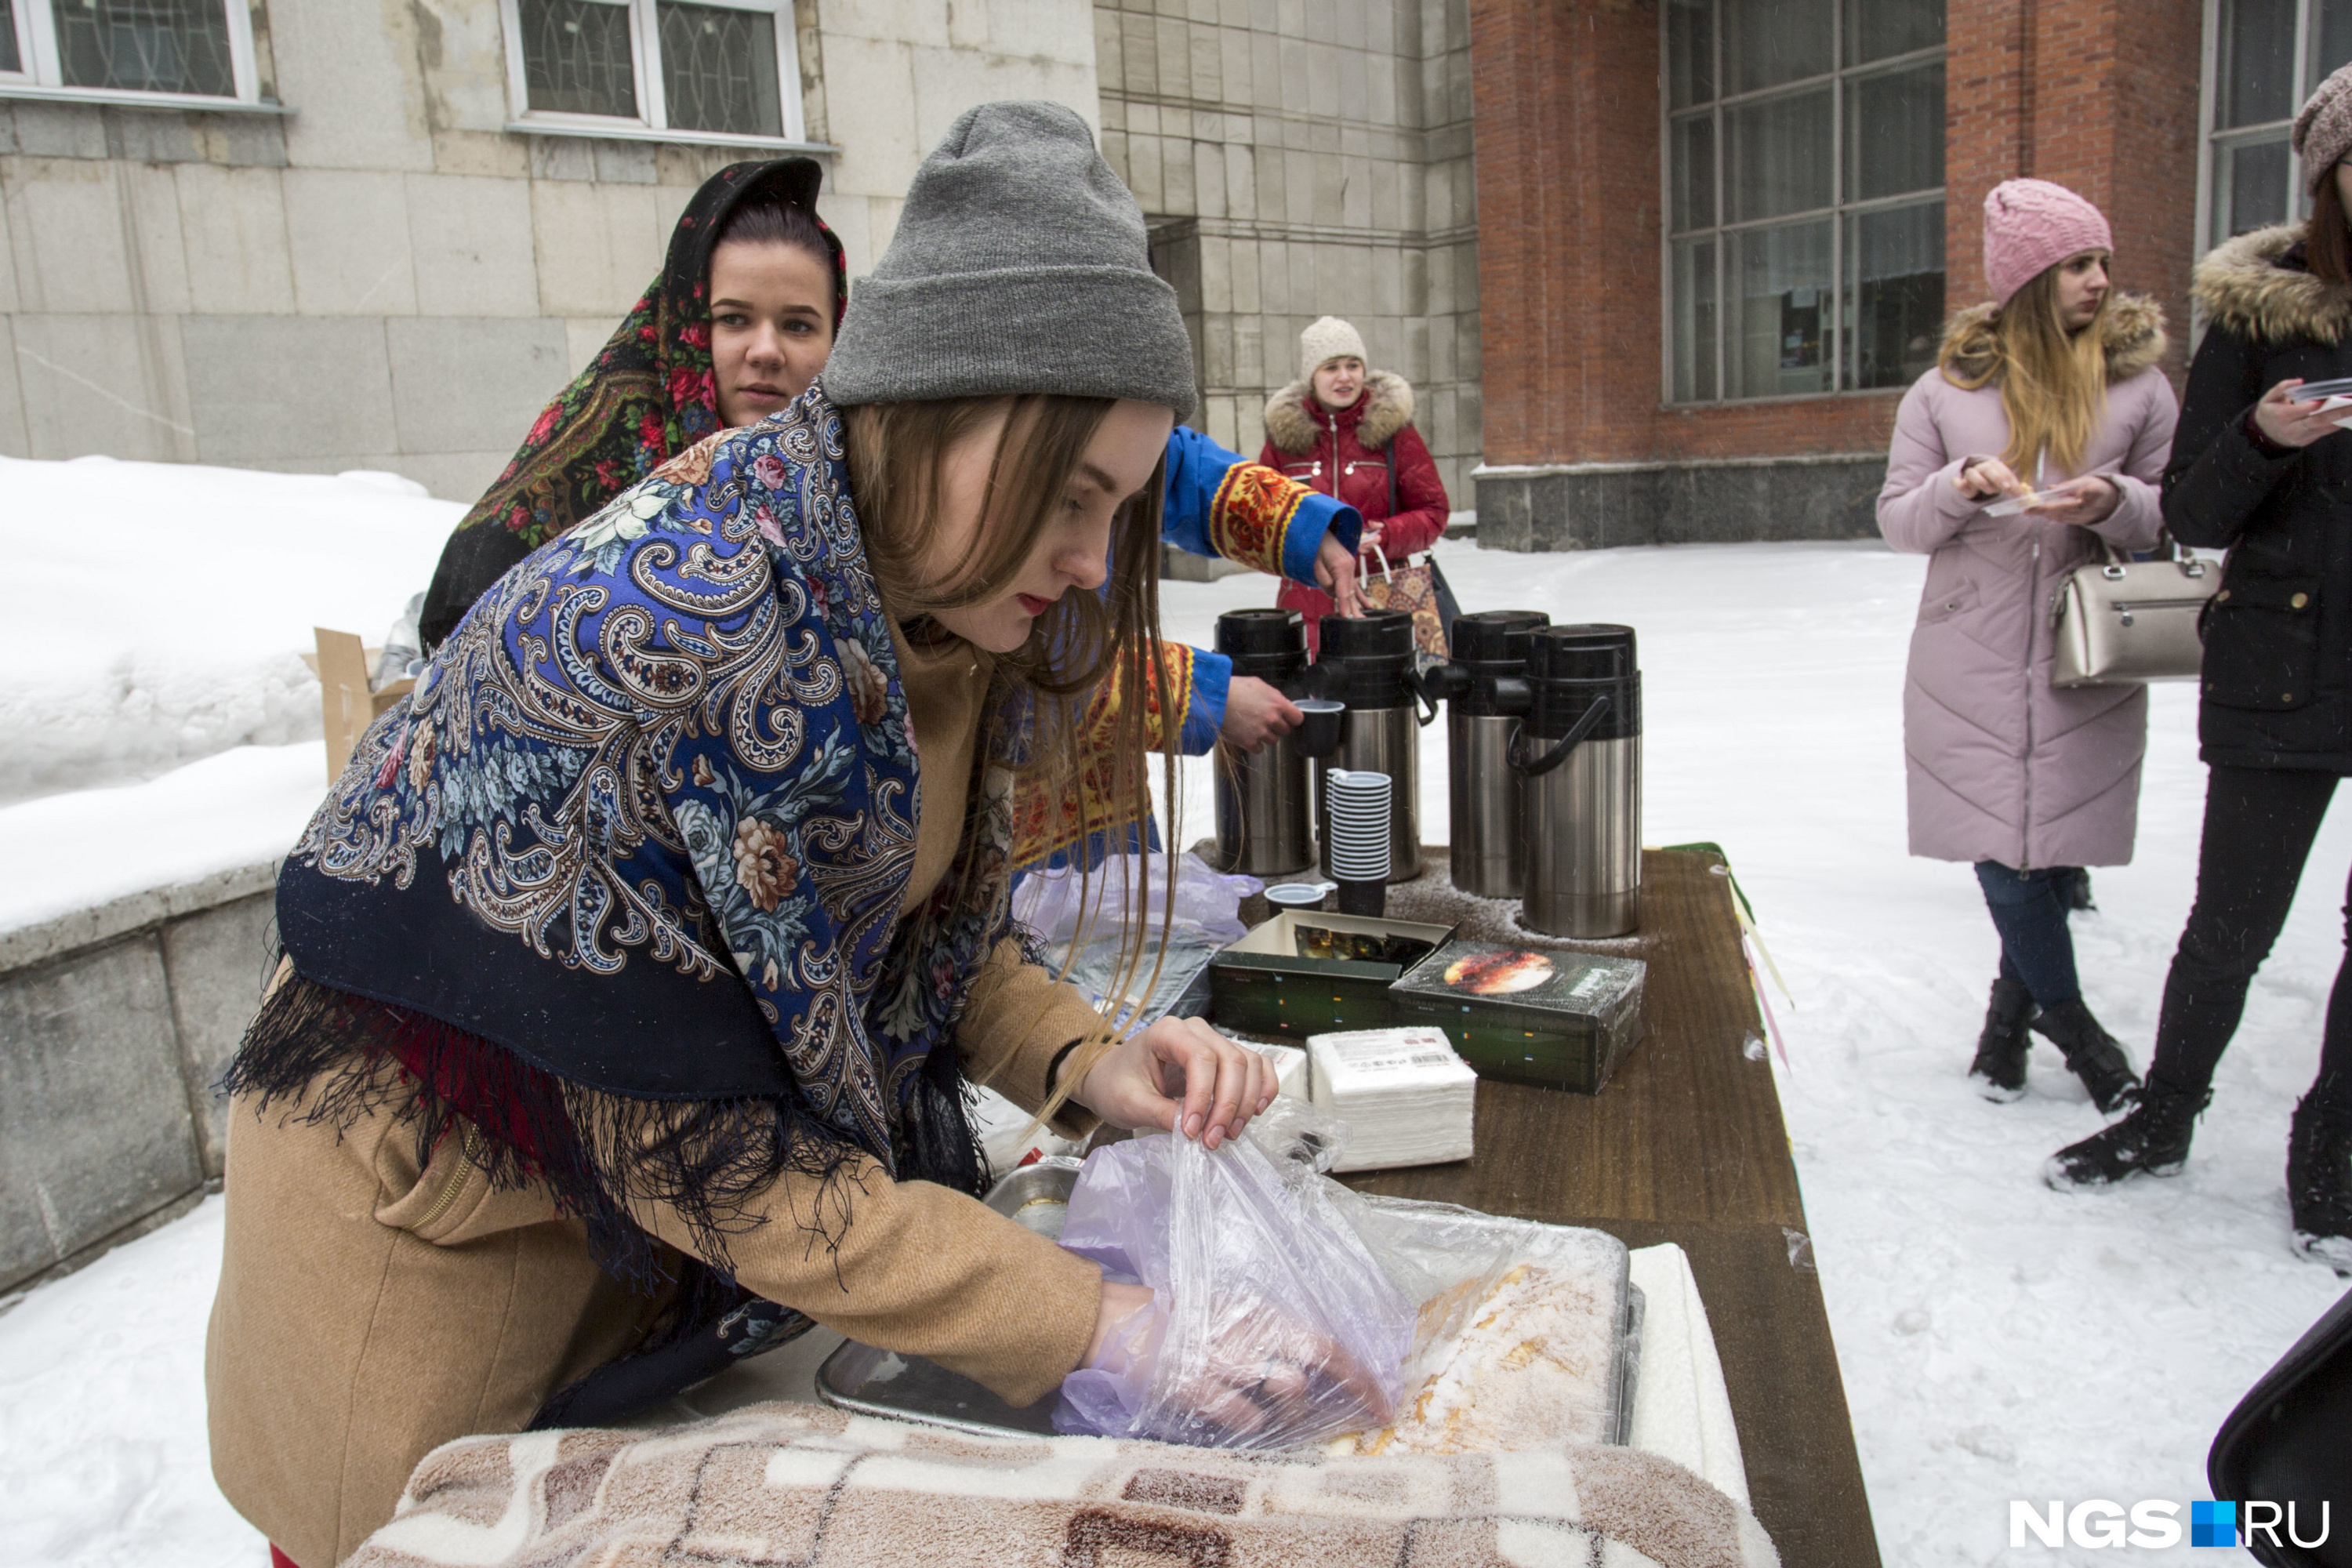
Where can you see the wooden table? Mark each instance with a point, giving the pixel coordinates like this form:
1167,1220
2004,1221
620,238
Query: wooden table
1685,1144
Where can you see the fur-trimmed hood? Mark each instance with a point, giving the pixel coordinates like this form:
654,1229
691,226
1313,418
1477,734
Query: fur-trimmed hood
2255,288
1385,408
2133,330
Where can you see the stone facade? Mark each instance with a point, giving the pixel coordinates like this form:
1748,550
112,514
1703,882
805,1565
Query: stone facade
1301,158
117,1021
385,277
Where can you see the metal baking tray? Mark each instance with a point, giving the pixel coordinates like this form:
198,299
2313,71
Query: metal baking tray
872,1381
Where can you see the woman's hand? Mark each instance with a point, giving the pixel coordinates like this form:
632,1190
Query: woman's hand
1179,1076
1987,479
1262,1369
1266,1369
1256,712
2084,501
1335,574
2292,423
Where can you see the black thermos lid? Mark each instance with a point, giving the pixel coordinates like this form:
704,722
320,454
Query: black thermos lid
1572,667
1376,634
1494,637
1261,631
1365,659
1582,653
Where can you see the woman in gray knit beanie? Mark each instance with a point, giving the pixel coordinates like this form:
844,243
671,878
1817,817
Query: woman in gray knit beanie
636,965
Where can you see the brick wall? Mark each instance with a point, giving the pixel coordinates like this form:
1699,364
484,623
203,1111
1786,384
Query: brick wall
2100,95
2097,95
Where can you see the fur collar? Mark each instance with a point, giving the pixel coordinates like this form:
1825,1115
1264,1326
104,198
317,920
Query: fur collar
2252,286
2133,330
1292,425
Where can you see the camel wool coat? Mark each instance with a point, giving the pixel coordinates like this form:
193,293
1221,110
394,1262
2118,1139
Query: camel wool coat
2001,765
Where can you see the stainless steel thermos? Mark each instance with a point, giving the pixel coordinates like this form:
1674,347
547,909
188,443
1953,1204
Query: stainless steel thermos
1262,802
1367,663
1580,755
1487,696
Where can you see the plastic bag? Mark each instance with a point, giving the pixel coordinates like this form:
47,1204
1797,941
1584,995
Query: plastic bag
1083,919
1271,1328
1289,1310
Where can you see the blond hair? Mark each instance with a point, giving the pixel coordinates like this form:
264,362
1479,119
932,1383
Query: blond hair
2053,382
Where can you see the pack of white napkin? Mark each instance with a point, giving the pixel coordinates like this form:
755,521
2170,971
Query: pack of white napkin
1289,1067
1406,1098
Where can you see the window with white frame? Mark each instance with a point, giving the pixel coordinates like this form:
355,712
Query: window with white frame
127,49
1804,200
716,70
2263,59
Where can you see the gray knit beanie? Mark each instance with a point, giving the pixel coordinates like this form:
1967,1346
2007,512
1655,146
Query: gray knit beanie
2323,128
1020,264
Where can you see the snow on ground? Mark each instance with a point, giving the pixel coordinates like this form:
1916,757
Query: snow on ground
159,610
1998,1340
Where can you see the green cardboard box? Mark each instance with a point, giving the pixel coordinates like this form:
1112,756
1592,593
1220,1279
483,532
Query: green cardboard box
1265,986
1537,1016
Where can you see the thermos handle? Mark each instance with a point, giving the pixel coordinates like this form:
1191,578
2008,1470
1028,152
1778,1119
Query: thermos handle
1421,690
1537,767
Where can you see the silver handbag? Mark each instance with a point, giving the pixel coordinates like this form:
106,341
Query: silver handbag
2120,623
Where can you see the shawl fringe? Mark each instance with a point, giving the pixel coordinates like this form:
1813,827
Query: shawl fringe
335,1058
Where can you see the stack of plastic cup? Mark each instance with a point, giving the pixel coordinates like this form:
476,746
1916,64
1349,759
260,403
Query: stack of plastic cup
1359,799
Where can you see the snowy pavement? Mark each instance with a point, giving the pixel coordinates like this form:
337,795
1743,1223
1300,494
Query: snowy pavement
1998,1340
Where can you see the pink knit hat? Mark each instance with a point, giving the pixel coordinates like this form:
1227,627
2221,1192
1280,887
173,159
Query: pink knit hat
2323,128
2030,225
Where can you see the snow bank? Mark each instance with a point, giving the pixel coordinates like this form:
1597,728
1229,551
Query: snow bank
159,610
67,852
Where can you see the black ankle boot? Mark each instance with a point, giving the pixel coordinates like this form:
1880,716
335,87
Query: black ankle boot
2319,1177
2000,1065
2091,1051
2153,1139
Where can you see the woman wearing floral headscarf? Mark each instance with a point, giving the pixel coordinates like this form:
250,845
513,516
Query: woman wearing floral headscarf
737,325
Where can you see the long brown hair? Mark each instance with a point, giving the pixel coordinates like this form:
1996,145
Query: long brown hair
2326,244
1034,722
2053,382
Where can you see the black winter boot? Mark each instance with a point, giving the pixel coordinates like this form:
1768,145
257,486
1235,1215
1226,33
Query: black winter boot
2091,1051
2000,1065
2319,1177
2153,1139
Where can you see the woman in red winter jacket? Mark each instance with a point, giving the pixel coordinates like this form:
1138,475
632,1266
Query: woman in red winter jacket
1348,432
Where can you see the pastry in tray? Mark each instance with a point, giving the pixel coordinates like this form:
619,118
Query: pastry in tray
1532,1369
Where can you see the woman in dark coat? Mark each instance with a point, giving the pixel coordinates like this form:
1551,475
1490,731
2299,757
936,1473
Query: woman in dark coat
2258,470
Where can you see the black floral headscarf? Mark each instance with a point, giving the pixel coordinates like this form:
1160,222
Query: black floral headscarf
646,398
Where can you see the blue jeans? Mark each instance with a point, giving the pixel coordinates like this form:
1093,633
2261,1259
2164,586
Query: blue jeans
2029,909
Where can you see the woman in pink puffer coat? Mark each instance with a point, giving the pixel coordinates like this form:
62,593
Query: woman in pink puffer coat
2052,387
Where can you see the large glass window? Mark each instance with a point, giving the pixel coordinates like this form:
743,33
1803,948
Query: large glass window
2266,57
124,50
719,71
1804,153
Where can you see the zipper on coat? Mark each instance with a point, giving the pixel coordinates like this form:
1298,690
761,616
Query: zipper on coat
469,1143
2033,598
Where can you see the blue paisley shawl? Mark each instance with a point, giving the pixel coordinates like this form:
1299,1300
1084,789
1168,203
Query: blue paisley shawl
619,880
